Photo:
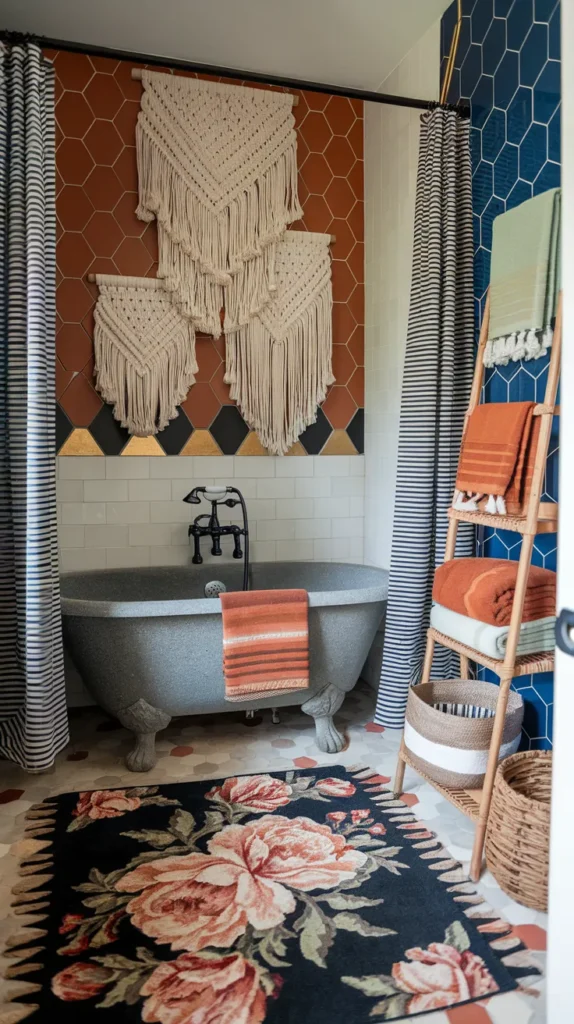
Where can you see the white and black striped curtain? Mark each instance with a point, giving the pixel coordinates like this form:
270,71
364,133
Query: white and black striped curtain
439,363
33,720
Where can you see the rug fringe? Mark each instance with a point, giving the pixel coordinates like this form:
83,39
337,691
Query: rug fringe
496,931
19,970
33,881
22,938
29,900
23,954
35,869
13,1013
38,858
28,897
32,908
45,830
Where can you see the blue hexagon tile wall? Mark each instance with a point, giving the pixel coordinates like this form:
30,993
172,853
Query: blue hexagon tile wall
508,69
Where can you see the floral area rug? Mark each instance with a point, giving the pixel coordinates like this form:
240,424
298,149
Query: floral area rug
298,896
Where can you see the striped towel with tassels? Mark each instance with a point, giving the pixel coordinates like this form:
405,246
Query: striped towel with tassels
265,643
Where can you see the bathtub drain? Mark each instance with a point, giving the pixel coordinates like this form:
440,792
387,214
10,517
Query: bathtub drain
214,588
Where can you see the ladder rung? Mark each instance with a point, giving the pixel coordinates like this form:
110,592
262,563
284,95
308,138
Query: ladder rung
541,410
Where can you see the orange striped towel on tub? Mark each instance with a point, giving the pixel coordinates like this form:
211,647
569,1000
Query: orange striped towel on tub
265,643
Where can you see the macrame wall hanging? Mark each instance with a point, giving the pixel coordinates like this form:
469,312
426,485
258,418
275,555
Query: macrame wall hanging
279,364
145,352
217,167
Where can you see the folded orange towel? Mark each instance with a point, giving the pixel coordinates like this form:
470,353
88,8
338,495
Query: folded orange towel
483,589
497,456
265,643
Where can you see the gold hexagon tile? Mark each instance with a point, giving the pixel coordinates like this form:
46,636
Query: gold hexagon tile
296,449
80,442
339,443
251,446
143,446
201,442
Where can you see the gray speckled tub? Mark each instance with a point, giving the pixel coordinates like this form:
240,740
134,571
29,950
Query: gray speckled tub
148,644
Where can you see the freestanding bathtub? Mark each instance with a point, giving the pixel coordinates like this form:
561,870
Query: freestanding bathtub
148,644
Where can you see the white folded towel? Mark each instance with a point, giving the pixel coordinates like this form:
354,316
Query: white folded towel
536,636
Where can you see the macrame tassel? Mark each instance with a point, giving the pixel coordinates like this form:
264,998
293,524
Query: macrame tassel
490,506
214,225
547,338
519,351
145,353
526,344
278,385
533,346
279,365
500,505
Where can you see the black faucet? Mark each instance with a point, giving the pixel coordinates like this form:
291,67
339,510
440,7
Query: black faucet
208,525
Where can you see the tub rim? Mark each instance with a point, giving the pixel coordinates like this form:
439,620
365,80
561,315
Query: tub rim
84,608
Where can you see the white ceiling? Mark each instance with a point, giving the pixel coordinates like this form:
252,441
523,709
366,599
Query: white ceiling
354,43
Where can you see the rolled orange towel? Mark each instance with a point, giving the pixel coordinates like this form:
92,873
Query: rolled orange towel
265,643
483,589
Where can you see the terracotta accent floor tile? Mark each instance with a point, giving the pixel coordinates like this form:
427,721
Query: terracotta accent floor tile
474,1013
410,799
7,796
531,935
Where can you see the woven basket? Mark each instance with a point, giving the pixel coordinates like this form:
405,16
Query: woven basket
448,729
518,832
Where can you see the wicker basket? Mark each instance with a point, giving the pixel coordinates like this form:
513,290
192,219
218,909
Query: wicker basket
518,833
448,729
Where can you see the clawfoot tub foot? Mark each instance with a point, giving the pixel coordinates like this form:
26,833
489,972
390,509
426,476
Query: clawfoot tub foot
144,721
322,706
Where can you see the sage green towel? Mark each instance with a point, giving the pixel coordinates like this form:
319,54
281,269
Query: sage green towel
524,280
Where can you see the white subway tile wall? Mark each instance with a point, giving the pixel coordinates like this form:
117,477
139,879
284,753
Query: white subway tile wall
127,511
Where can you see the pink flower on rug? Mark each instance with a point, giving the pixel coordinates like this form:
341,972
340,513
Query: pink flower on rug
441,976
105,803
357,816
254,792
200,899
191,989
377,830
335,787
80,981
336,816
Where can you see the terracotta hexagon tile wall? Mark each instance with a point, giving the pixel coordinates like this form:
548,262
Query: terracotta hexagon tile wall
97,107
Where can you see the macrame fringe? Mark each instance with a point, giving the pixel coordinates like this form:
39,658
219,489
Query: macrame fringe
145,360
204,233
24,947
143,403
520,345
278,385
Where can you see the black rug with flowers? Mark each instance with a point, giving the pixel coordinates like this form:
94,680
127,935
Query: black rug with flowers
288,897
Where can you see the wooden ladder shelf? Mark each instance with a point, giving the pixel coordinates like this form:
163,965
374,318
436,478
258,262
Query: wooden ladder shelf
540,517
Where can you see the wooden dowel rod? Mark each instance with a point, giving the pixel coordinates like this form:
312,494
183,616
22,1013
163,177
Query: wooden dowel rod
137,75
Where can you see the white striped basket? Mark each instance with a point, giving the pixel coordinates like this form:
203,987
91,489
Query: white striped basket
448,729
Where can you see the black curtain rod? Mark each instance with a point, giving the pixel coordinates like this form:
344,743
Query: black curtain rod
365,95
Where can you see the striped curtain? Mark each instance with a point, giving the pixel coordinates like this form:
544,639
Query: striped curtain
33,721
439,363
